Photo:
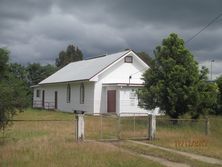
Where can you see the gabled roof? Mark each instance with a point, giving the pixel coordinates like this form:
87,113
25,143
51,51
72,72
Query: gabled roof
85,69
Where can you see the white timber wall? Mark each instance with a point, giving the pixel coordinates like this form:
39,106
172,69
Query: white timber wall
62,96
118,74
129,101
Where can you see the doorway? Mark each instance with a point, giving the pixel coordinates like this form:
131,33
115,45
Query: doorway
111,101
43,99
56,99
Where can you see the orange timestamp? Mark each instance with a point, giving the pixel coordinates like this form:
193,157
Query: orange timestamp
191,143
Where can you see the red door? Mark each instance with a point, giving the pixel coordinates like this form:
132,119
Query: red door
111,101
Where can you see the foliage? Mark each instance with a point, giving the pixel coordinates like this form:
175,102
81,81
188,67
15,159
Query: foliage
3,61
13,92
71,54
37,72
219,100
145,57
19,71
175,84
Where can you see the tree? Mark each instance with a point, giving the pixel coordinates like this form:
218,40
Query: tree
219,100
19,71
71,54
174,83
145,57
13,91
37,72
3,61
207,94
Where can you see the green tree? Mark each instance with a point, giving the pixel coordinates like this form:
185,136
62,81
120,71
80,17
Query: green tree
37,72
174,83
19,71
3,61
71,54
145,57
219,100
207,94
13,91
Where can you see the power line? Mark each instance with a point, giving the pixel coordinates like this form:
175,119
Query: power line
211,22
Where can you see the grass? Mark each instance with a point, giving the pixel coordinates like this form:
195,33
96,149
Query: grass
186,135
107,127
51,143
190,136
164,154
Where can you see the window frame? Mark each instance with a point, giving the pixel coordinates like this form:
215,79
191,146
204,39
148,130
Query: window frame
128,59
68,93
38,93
82,93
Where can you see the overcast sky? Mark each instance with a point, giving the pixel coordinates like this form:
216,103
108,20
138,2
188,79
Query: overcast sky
37,30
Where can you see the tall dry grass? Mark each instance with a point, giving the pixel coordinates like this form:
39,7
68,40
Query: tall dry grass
52,143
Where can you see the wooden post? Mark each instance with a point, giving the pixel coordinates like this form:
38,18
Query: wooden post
152,127
80,127
207,126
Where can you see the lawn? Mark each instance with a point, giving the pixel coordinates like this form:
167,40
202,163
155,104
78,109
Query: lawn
186,135
114,127
164,154
190,136
52,143
48,140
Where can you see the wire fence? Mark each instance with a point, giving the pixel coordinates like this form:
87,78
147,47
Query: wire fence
23,129
115,127
136,126
169,129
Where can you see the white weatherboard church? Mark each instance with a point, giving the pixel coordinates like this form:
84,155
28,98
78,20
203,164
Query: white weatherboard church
105,84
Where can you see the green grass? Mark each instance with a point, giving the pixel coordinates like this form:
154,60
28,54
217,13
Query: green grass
52,143
38,114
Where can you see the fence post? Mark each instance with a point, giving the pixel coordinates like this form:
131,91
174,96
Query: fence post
80,127
134,125
101,127
152,127
207,126
119,127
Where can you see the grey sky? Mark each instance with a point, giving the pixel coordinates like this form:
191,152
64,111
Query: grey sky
36,30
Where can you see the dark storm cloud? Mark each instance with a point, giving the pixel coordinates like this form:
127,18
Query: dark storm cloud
38,30
180,13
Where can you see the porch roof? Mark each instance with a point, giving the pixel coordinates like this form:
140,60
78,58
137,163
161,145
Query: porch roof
123,84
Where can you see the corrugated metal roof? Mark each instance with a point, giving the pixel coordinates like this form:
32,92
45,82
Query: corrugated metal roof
83,70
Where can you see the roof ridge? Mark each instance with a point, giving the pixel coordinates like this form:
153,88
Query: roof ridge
89,58
103,55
